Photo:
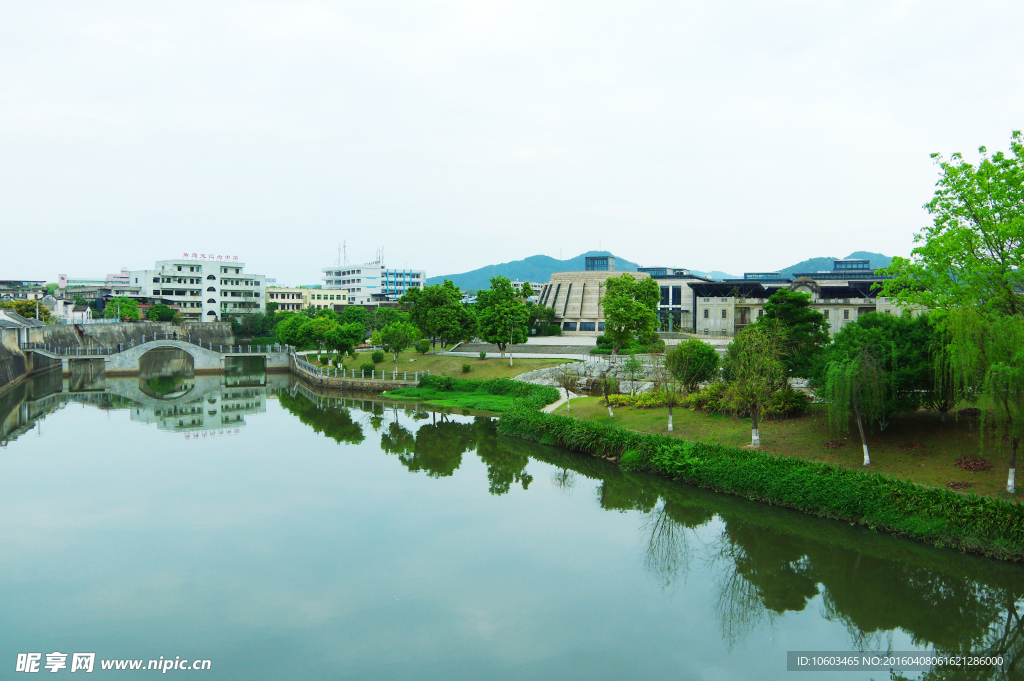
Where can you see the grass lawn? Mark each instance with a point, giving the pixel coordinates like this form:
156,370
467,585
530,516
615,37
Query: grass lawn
915,446
482,369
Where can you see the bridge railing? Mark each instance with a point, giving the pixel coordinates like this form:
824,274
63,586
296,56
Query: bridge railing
355,374
79,351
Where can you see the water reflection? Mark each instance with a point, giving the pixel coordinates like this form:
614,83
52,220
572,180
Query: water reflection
768,563
166,373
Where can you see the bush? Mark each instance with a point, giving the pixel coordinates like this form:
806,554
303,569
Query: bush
377,356
325,359
423,347
714,399
938,516
367,367
786,404
551,330
483,355
353,354
466,368
538,395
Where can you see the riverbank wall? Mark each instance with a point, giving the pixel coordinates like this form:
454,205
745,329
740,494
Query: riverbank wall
14,365
968,523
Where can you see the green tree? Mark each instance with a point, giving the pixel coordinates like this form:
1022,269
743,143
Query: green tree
79,299
901,346
805,329
123,308
314,331
289,331
501,314
28,309
973,252
693,362
439,313
632,367
986,356
160,313
354,313
343,338
398,337
755,366
855,384
630,308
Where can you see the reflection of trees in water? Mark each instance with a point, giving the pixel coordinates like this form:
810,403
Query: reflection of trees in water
505,458
668,551
565,480
336,423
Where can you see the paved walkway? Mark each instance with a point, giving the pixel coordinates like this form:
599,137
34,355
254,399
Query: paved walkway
561,400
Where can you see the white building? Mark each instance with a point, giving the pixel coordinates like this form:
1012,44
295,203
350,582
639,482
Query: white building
372,282
203,289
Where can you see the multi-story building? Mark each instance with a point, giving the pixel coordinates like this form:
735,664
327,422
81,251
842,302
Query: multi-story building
517,286
13,290
202,289
675,308
120,279
323,299
288,298
724,308
371,282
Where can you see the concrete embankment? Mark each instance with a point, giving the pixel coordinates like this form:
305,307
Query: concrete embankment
13,364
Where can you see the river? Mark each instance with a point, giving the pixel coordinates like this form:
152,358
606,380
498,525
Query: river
281,534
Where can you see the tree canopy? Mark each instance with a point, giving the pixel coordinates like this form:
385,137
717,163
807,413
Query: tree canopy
630,308
397,337
804,329
122,307
692,362
501,315
973,252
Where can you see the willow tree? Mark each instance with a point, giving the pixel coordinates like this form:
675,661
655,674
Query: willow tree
986,358
855,386
755,369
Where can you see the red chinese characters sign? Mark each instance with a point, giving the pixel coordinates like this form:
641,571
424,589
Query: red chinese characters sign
208,256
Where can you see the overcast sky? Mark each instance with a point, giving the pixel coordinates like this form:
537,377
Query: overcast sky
737,136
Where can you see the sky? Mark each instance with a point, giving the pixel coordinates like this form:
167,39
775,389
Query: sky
735,136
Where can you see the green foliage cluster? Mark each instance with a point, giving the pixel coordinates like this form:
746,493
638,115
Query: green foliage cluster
498,394
27,309
716,398
377,356
160,313
502,317
120,307
466,368
938,516
368,367
648,345
423,346
324,330
630,308
438,312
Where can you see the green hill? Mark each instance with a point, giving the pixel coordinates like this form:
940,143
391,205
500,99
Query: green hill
825,264
536,268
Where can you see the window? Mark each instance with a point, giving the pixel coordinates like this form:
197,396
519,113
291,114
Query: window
723,314
705,312
677,295
888,312
846,314
210,276
211,301
826,314
568,326
586,326
664,295
179,268
707,300
600,326
760,313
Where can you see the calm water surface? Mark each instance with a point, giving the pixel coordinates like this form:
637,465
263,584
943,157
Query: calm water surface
286,535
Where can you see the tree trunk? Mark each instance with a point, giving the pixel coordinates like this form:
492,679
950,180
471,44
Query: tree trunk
501,347
755,435
610,414
1010,481
568,401
670,417
863,439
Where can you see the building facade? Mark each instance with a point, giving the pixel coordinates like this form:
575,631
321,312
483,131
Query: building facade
675,308
288,298
120,279
203,290
724,308
14,290
371,282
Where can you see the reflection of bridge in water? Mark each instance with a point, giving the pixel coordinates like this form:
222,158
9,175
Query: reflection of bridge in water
210,405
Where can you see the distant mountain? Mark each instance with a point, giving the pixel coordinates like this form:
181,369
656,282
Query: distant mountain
825,264
717,275
536,268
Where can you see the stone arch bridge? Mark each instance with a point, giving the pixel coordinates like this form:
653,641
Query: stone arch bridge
207,358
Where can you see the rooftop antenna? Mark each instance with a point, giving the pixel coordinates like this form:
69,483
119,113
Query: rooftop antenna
339,256
344,252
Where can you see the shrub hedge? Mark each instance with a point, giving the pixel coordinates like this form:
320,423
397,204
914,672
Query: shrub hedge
992,527
533,396
784,404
